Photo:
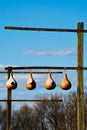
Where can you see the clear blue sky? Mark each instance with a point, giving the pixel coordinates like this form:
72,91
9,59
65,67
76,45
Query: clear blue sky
27,48
40,48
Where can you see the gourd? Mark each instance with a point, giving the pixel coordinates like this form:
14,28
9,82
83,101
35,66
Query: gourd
50,83
30,84
11,84
65,83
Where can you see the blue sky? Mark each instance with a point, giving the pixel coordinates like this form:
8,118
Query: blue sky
27,48
40,48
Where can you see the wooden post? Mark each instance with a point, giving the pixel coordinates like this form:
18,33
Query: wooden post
80,78
9,96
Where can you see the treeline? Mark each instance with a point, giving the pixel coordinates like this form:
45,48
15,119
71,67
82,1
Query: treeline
49,115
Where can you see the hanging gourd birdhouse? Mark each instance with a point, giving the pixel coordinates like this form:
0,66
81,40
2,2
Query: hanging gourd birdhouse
30,84
50,83
65,83
11,84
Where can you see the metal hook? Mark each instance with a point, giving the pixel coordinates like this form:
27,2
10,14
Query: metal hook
64,70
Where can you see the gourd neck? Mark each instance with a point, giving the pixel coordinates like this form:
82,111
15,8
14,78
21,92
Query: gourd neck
49,76
11,75
30,75
65,76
